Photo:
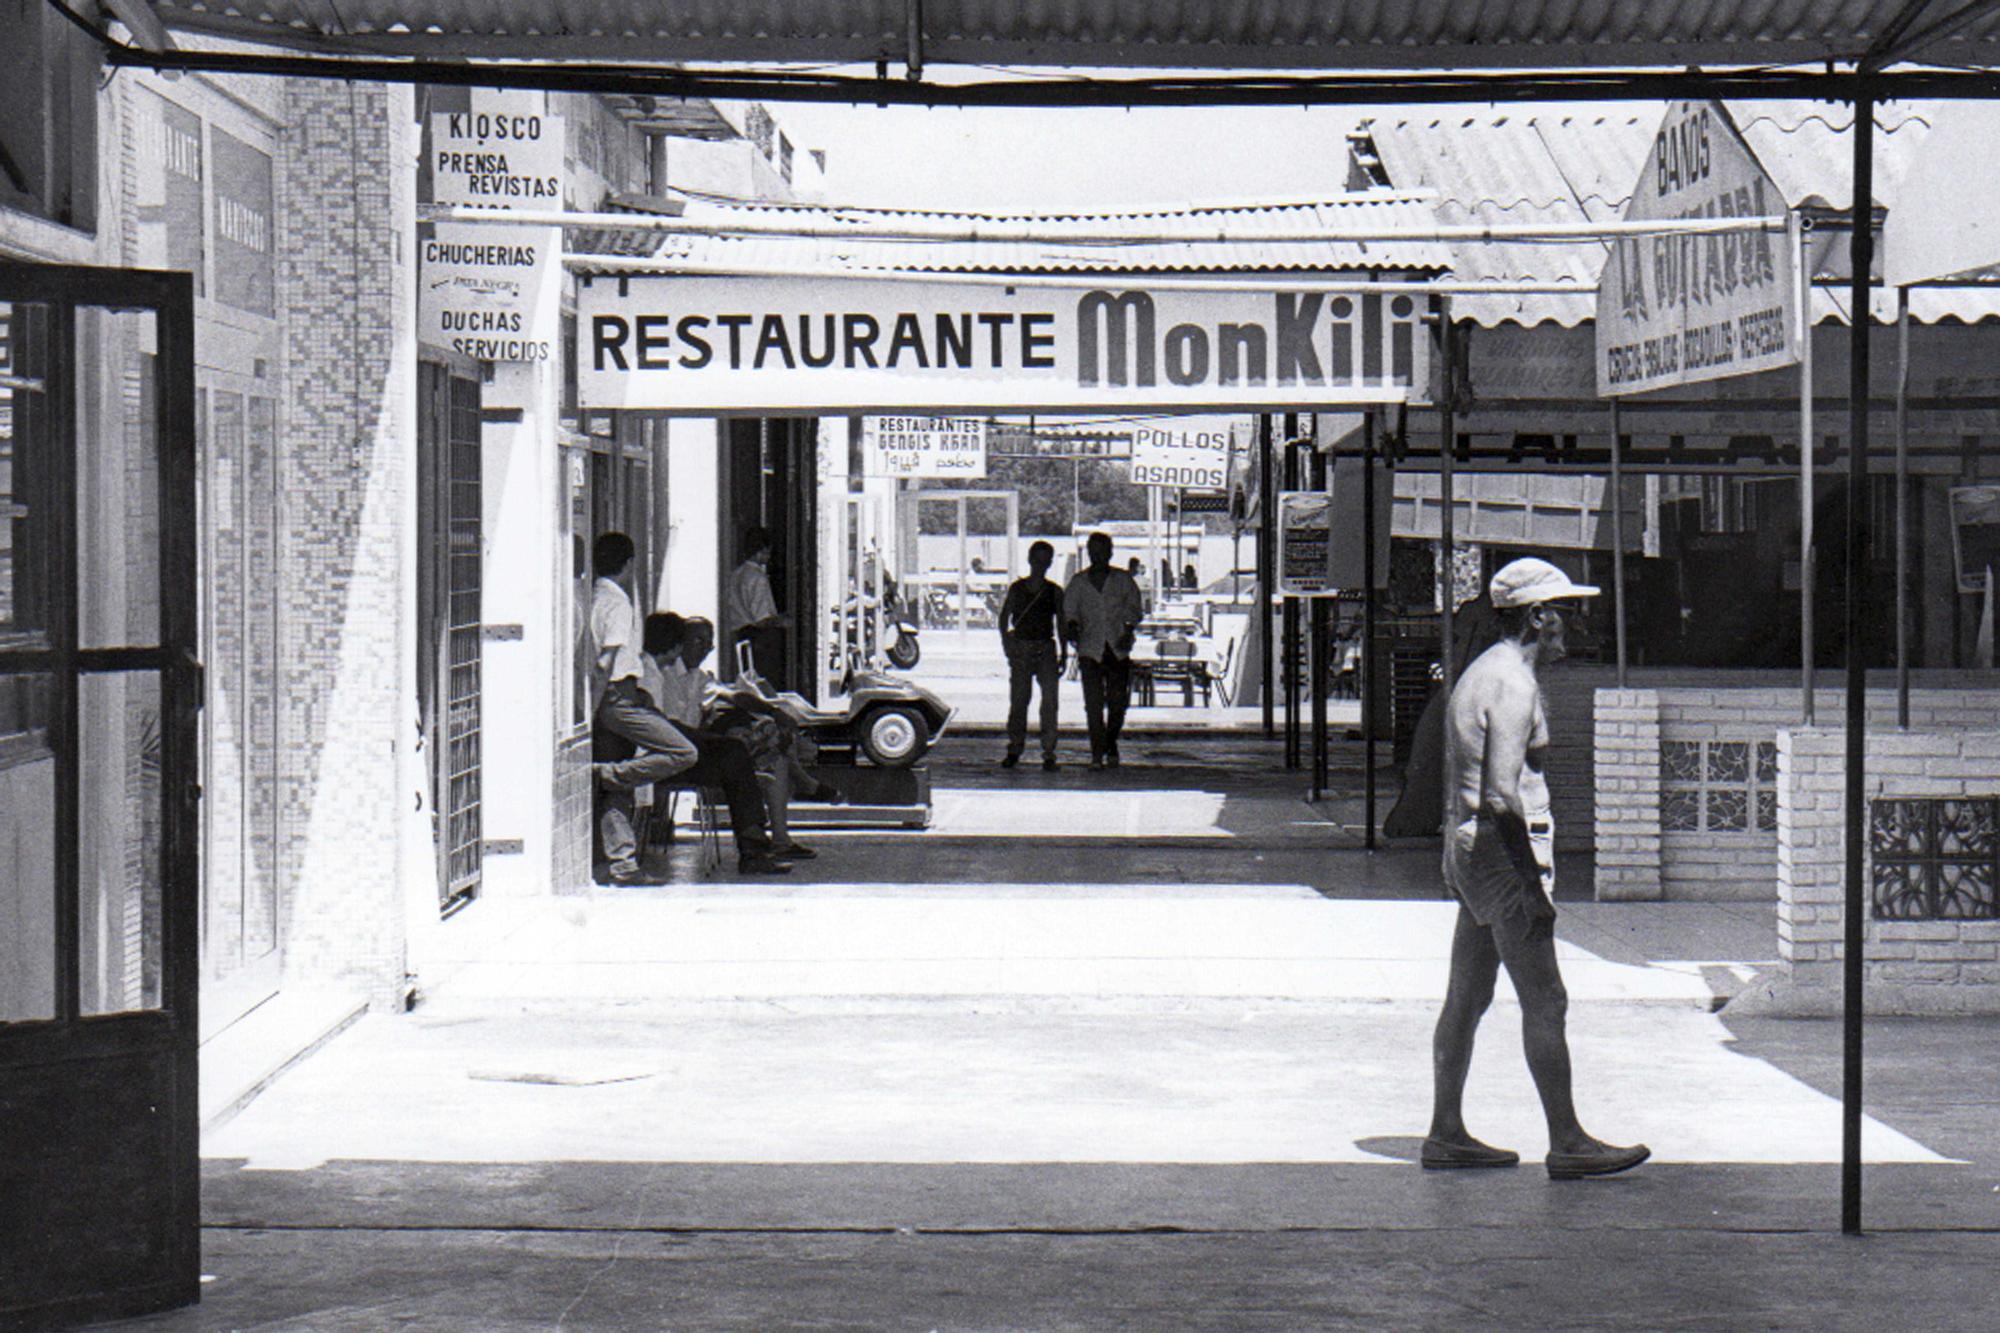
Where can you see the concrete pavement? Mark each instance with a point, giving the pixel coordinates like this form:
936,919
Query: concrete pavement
1084,1076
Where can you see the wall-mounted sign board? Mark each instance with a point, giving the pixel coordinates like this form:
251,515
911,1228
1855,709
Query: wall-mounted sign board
924,446
1685,308
703,345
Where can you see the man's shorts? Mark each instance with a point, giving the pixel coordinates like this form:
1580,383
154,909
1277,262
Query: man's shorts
1481,875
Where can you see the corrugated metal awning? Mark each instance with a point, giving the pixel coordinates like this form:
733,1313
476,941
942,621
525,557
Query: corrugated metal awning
1329,34
1563,164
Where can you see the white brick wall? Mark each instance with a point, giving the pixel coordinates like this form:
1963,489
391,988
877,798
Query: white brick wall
1912,966
1635,859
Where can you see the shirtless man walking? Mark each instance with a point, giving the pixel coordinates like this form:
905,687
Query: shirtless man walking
1498,863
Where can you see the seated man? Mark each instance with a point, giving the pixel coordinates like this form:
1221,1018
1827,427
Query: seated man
625,716
631,744
691,697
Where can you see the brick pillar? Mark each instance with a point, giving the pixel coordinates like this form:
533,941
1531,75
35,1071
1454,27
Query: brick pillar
345,587
1811,857
1627,795
1914,966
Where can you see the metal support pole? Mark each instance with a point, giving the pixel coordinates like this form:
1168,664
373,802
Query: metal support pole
1806,451
1368,625
1447,446
1293,656
1267,571
1861,251
1618,534
1321,609
1903,508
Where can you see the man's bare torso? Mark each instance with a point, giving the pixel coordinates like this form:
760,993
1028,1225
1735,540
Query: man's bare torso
1496,690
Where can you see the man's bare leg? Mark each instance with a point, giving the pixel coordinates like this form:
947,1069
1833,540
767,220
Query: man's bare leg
1529,952
1475,965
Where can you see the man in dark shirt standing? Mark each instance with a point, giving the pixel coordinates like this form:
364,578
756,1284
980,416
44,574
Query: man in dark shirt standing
1034,655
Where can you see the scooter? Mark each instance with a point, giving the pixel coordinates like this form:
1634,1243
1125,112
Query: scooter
903,652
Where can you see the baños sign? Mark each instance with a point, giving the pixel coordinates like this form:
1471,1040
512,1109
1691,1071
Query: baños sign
706,345
1681,309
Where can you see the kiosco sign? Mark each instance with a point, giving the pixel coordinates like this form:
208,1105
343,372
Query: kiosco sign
1680,309
731,344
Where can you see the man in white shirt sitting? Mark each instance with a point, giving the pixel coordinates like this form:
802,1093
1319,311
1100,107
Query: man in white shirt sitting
717,715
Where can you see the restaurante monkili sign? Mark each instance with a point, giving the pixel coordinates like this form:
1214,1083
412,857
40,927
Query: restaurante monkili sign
1679,309
700,344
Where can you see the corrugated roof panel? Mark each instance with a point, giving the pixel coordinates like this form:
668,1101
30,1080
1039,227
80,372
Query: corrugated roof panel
1486,167
1809,150
1328,34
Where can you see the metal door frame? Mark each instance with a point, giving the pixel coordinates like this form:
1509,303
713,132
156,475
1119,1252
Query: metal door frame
43,1060
918,499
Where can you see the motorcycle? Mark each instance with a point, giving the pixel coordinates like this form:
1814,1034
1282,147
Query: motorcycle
903,651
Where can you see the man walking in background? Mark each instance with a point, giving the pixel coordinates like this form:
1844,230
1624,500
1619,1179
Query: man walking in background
1498,862
1034,654
1101,607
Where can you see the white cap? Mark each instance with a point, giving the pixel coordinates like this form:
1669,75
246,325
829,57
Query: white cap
1528,581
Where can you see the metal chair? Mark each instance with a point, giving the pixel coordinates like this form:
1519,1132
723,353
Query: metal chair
708,805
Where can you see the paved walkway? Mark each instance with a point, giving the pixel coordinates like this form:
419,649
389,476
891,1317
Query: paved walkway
1081,1079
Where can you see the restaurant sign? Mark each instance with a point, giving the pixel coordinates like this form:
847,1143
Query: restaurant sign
924,446
1682,309
705,345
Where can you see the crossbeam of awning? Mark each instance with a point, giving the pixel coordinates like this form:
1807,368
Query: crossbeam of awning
1007,230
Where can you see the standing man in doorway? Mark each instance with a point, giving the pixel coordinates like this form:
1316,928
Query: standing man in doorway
751,612
1101,608
1034,653
631,743
1498,863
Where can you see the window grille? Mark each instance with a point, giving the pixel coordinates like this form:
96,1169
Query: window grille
1935,860
1718,786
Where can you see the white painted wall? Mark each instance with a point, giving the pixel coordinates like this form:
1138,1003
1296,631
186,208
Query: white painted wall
527,557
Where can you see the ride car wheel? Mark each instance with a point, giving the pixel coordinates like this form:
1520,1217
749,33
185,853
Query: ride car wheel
894,737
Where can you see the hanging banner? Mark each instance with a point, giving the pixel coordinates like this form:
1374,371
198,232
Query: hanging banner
1305,543
504,152
1682,309
924,446
481,291
1182,451
706,345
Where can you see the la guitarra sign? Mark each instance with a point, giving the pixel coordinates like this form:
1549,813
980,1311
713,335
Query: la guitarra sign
700,344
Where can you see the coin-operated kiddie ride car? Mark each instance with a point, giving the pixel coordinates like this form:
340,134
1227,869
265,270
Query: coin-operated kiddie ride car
870,741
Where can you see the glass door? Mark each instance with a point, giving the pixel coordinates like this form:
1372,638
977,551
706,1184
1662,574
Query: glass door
99,695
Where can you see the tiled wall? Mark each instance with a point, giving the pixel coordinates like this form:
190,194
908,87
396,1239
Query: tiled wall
1913,966
342,577
572,840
